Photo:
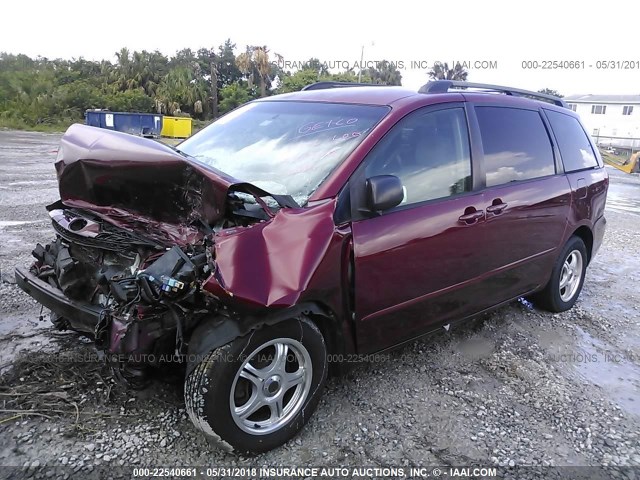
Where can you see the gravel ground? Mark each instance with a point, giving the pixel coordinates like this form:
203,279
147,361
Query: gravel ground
515,387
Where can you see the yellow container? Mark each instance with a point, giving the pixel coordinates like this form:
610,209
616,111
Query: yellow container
176,127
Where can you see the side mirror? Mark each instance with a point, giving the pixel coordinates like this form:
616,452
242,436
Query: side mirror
384,192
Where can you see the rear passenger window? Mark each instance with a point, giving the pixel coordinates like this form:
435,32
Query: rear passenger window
516,145
573,142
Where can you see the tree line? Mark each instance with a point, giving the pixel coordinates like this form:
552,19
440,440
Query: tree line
202,84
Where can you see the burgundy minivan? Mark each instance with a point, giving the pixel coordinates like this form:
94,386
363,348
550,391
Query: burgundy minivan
308,228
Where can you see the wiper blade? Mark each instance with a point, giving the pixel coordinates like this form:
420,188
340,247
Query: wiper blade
285,201
177,150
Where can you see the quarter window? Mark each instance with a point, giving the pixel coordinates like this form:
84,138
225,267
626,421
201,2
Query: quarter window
516,145
598,109
573,142
429,152
627,109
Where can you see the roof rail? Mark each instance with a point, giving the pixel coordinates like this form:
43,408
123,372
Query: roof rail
325,85
443,86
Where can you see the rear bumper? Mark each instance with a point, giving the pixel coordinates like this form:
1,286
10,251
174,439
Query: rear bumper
82,317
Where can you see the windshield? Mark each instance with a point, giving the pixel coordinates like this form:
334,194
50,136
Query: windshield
285,148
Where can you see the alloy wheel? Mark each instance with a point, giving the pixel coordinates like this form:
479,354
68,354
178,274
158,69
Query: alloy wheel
570,275
271,386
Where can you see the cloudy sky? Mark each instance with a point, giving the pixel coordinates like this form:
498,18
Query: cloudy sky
504,33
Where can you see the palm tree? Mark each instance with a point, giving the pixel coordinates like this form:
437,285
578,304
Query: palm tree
245,65
261,60
123,57
279,59
174,89
214,84
386,73
549,91
119,73
181,89
441,71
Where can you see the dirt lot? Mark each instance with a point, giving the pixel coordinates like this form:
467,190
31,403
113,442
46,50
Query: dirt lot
516,387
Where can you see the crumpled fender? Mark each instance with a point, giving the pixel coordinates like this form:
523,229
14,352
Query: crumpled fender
273,263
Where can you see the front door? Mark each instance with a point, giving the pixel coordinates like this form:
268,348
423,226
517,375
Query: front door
419,264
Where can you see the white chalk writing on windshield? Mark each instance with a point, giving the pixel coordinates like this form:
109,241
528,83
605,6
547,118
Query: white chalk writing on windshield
317,127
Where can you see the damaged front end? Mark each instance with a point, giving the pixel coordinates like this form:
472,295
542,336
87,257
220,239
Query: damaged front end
135,232
135,298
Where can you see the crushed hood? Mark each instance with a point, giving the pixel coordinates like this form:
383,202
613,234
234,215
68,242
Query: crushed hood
139,184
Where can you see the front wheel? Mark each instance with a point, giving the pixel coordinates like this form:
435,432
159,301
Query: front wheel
567,278
258,391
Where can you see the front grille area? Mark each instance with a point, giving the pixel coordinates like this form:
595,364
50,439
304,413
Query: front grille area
110,238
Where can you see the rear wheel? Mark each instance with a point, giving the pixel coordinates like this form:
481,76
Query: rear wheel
258,391
567,278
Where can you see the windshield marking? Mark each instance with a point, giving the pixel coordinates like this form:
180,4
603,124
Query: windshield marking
316,127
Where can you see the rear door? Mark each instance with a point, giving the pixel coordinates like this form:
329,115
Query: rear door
416,265
527,199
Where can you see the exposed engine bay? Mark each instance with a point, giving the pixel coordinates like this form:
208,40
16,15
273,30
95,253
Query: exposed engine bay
149,295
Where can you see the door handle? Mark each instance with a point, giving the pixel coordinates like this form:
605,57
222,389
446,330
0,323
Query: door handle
496,208
471,217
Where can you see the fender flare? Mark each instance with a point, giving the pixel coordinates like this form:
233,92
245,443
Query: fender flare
215,331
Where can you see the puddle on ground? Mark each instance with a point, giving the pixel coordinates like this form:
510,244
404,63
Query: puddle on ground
23,332
611,369
596,362
622,202
15,223
475,348
31,182
624,197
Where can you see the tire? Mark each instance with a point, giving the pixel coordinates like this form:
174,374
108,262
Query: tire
278,396
571,262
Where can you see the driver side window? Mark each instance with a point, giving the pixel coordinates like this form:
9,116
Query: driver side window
430,154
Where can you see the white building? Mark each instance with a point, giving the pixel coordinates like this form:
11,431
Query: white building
612,120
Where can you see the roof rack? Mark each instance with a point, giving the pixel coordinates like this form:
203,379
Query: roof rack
325,85
443,86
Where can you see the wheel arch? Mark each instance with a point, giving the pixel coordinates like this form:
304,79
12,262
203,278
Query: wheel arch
586,235
218,330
